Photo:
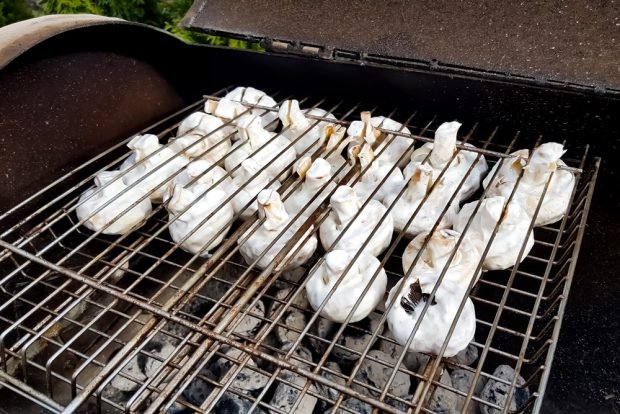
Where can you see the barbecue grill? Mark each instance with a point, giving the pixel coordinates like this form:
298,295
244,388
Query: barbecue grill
135,324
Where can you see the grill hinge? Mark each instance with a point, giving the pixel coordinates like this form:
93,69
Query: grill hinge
297,48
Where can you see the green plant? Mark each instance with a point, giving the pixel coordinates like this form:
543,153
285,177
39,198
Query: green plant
13,11
166,14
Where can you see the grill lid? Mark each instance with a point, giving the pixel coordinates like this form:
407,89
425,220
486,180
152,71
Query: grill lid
574,42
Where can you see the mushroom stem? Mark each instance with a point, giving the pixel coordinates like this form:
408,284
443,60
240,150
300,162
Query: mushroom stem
345,204
440,246
419,183
445,144
181,199
543,162
143,145
270,207
317,175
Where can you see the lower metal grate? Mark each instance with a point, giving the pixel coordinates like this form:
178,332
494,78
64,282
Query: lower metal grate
134,324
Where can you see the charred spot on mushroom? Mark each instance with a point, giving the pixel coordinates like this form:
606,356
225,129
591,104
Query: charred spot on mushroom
413,298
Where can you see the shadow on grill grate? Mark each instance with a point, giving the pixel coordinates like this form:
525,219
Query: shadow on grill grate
134,323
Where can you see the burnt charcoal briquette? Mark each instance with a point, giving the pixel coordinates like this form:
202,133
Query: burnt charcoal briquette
357,339
132,369
377,375
152,365
356,406
412,361
247,379
141,366
497,392
231,404
291,276
250,324
295,322
284,295
285,396
198,390
177,408
467,356
461,380
293,317
399,405
325,390
322,328
444,401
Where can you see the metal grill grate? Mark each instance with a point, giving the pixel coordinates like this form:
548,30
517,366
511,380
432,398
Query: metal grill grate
79,309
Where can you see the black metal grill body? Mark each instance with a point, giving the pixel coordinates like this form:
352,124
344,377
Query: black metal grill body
498,108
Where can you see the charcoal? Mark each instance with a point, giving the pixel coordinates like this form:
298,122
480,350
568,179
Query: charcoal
467,356
151,365
323,329
199,306
461,380
399,405
356,406
444,401
132,369
293,319
250,324
198,390
357,339
142,366
377,375
177,408
285,396
290,277
413,361
172,328
247,380
497,392
325,390
284,295
231,404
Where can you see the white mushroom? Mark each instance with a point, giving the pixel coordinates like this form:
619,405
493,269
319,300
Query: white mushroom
167,162
433,202
114,203
249,188
228,111
441,152
376,170
324,278
461,269
545,161
248,97
295,124
317,180
201,136
185,219
510,168
331,137
396,145
345,205
436,321
253,137
510,236
277,220
202,172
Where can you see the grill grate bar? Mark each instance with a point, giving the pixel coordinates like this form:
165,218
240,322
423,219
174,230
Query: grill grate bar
143,286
